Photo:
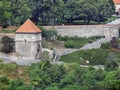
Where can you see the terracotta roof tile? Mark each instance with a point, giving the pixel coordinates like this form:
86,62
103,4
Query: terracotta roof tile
28,27
116,1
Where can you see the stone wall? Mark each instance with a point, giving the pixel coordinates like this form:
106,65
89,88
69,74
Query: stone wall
88,30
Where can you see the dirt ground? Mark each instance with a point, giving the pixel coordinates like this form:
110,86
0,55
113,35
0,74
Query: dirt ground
53,44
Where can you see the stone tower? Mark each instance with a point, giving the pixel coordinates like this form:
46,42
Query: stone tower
28,41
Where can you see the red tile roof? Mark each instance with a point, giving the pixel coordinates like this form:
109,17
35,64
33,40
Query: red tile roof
116,1
28,27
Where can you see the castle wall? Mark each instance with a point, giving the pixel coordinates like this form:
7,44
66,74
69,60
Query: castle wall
87,30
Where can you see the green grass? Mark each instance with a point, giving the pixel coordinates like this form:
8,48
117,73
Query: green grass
77,42
94,56
7,31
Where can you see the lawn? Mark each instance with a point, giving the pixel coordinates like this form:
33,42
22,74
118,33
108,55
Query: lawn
77,42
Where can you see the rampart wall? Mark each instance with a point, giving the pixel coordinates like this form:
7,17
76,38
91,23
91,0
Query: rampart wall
87,30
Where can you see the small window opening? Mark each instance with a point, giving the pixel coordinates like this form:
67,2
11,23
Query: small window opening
25,41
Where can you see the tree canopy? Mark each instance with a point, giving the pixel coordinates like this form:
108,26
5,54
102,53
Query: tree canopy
15,12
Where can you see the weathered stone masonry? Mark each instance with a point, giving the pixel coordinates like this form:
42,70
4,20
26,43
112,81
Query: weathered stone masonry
88,30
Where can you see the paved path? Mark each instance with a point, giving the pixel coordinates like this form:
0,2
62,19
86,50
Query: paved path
94,66
95,44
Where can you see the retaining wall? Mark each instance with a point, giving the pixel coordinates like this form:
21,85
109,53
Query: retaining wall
87,30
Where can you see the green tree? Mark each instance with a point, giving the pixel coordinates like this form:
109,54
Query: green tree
69,14
21,10
44,74
89,11
103,11
50,34
47,11
5,13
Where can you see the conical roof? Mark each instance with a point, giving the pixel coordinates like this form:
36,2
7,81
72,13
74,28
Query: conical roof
28,27
116,1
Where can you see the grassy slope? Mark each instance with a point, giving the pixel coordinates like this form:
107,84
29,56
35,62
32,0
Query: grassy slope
13,71
95,56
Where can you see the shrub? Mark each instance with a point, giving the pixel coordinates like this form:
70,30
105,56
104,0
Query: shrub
8,44
105,45
111,65
69,44
4,79
61,38
48,34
